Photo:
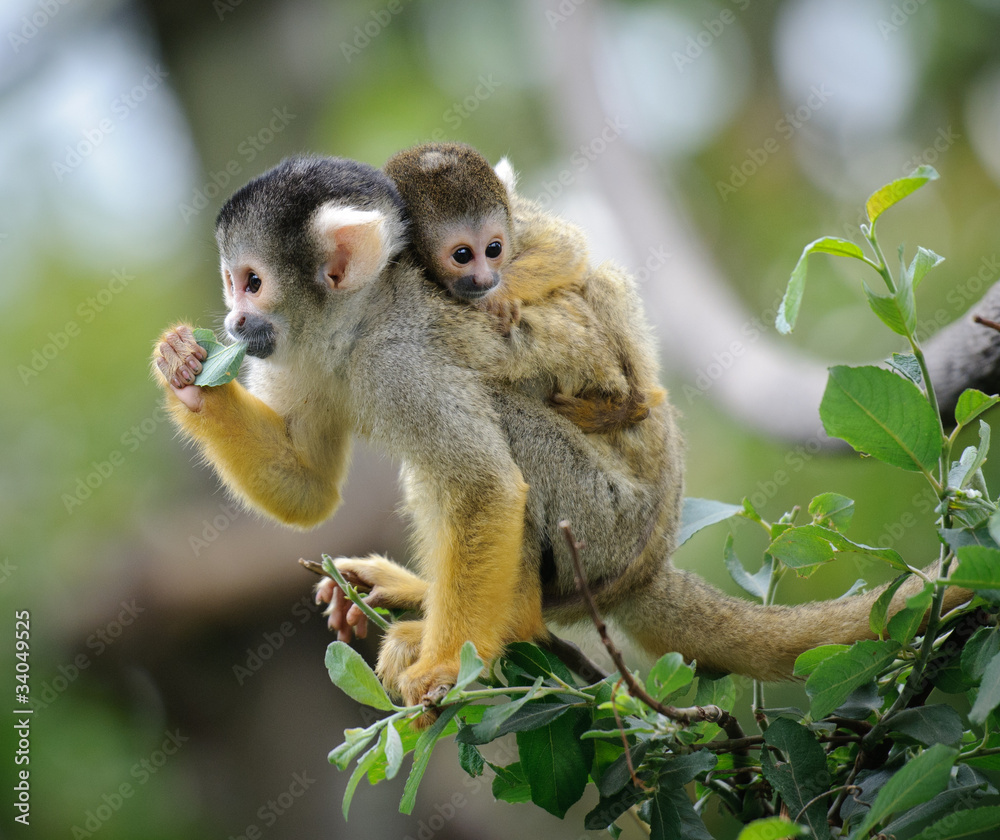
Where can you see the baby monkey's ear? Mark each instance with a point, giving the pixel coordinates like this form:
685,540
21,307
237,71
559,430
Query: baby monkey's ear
353,245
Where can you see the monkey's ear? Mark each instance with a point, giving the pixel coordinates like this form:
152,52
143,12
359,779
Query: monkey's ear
506,174
353,243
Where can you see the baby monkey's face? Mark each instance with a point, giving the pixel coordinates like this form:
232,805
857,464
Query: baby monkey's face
471,256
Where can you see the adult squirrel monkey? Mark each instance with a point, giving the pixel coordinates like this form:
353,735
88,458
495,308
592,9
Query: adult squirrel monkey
348,337
496,250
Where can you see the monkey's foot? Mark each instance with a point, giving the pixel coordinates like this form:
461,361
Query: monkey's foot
399,650
387,584
427,684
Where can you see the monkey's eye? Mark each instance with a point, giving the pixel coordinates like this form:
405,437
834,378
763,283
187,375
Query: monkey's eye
462,255
253,283
494,249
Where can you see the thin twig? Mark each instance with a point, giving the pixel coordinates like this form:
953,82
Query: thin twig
639,783
845,788
986,322
573,658
711,714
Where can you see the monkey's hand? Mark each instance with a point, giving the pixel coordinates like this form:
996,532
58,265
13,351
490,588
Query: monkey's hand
387,584
177,359
507,311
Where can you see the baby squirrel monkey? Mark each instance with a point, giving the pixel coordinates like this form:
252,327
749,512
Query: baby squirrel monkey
346,337
490,247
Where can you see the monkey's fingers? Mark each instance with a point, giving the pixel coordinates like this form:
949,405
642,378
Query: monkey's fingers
179,356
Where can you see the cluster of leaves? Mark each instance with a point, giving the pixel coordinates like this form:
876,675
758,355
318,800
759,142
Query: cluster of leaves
870,755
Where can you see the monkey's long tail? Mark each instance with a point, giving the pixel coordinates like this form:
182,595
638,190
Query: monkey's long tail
681,612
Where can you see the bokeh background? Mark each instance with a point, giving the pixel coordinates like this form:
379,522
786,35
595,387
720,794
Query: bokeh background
176,659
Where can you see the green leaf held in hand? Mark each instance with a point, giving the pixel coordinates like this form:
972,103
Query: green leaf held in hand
223,362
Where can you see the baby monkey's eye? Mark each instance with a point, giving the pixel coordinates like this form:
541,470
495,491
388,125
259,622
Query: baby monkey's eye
253,283
462,255
494,249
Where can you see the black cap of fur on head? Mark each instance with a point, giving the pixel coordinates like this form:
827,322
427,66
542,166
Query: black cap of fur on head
273,210
445,183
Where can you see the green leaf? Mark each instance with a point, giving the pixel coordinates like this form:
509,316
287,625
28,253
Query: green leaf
556,762
896,311
669,674
788,312
714,691
978,568
422,756
937,724
755,584
979,650
493,721
903,626
882,414
393,752
880,609
618,775
972,460
351,674
509,785
915,782
956,538
677,770
923,261
366,761
972,403
968,823
907,364
810,545
470,759
832,509
664,819
884,197
700,513
802,776
610,808
355,741
771,828
837,676
223,362
537,662
808,661
692,827
988,697
469,668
